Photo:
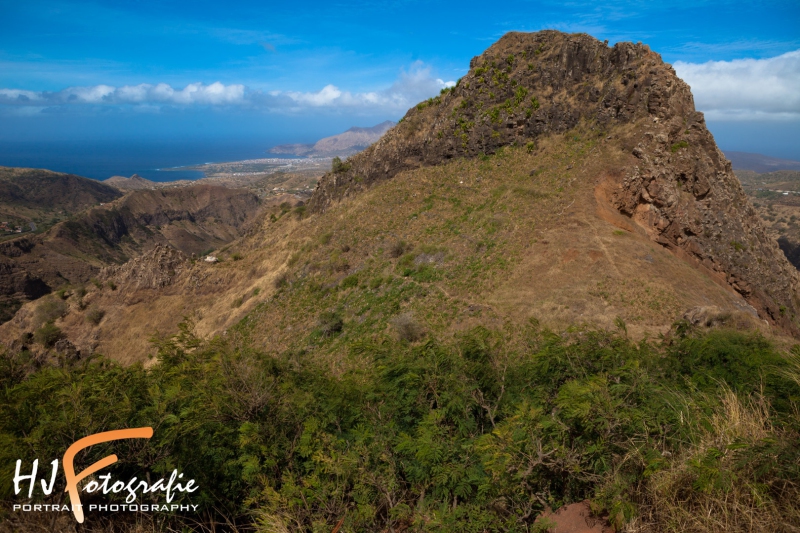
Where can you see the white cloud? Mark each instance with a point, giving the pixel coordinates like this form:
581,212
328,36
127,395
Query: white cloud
746,89
142,94
411,86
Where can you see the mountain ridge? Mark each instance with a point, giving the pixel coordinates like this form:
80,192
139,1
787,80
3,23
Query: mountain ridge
343,144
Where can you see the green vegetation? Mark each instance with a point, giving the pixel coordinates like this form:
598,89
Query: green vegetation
337,166
678,145
47,335
469,434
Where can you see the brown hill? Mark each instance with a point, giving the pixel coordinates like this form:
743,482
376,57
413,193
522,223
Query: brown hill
32,199
133,183
191,219
562,182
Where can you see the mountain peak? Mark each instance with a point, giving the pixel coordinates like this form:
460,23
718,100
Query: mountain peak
524,86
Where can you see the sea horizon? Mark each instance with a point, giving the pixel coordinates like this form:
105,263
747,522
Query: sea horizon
156,160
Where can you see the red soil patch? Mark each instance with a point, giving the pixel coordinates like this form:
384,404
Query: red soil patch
575,518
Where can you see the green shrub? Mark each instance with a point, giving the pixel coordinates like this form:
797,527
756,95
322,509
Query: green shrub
337,165
47,335
678,145
349,282
281,280
469,432
398,249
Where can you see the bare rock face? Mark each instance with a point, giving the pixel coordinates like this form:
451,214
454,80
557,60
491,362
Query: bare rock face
153,270
684,194
678,188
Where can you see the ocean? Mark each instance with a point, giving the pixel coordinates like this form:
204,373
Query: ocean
150,159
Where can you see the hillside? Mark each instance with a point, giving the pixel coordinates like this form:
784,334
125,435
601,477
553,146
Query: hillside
42,197
193,220
544,286
133,183
343,144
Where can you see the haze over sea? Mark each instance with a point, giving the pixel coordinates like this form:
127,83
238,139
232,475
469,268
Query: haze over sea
150,159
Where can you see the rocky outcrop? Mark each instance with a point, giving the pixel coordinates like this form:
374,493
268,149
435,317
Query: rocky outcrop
677,186
684,194
153,270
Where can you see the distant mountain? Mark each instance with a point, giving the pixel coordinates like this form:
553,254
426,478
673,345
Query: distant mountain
344,144
760,162
133,183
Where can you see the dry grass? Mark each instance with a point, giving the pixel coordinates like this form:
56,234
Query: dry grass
708,489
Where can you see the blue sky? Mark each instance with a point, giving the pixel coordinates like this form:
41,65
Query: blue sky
288,72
